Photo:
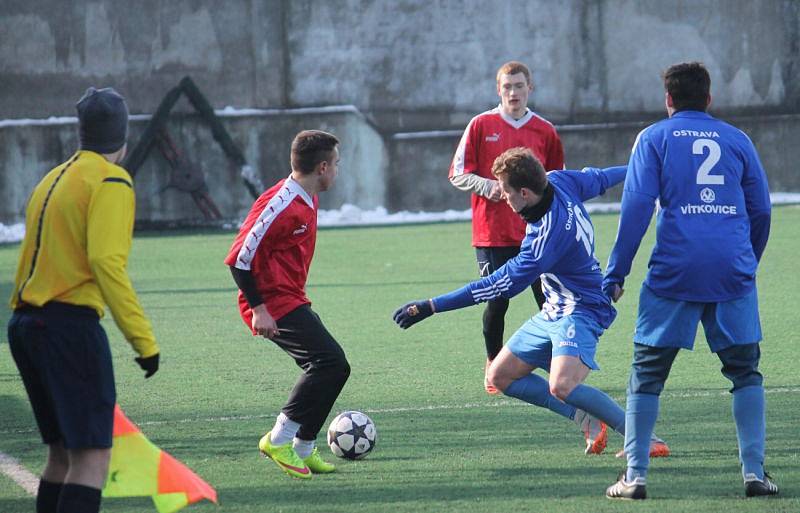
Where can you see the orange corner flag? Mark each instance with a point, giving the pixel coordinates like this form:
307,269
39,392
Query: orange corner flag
138,467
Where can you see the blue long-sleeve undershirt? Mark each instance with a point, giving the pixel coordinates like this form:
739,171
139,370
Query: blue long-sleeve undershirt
636,212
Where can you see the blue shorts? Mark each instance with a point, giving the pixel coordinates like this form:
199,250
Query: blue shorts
664,322
64,360
538,341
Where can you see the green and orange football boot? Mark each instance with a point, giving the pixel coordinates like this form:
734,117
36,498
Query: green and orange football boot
317,465
285,457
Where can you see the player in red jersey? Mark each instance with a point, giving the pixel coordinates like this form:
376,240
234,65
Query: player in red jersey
269,261
496,230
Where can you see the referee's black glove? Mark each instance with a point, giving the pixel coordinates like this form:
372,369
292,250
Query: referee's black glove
411,313
149,365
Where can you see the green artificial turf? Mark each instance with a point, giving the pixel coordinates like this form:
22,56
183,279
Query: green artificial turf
444,445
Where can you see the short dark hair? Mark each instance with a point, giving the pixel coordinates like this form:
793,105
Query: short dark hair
512,68
522,168
689,85
310,147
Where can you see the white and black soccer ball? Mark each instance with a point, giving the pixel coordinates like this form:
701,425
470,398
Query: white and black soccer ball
352,435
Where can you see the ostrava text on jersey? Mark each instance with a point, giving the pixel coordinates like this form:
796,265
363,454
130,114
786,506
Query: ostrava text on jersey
714,201
560,248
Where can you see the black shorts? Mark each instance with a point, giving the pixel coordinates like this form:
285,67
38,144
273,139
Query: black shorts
492,258
64,360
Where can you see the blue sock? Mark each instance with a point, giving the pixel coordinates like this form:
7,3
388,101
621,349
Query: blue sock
598,404
749,414
534,389
640,420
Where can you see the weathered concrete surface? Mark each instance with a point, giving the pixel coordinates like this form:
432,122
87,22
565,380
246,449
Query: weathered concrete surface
27,152
424,158
407,171
410,65
51,50
591,60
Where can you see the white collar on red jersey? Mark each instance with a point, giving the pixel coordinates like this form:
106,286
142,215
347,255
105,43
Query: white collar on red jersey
296,188
516,123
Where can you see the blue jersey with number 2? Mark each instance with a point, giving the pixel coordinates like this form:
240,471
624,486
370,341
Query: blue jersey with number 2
714,216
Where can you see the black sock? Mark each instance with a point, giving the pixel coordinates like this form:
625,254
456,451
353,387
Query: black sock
47,496
77,498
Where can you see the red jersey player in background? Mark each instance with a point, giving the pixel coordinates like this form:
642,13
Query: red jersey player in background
269,261
497,231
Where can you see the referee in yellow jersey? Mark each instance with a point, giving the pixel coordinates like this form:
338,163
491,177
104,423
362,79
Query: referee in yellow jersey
72,263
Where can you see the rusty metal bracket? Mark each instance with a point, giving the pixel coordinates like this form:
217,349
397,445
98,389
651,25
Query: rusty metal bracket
185,175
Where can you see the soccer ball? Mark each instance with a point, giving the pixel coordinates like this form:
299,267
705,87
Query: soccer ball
352,435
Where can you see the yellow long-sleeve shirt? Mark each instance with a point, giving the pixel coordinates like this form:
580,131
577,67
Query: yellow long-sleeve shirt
78,233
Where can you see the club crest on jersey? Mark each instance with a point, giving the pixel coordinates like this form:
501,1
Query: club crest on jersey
300,230
493,138
707,195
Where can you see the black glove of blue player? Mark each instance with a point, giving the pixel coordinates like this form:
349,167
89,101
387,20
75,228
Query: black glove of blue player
149,365
613,290
411,313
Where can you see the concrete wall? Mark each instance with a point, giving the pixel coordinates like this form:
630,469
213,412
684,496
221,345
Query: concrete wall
51,50
28,152
407,171
407,65
430,63
424,157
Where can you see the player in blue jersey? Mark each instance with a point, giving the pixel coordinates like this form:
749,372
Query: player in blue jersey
712,229
562,338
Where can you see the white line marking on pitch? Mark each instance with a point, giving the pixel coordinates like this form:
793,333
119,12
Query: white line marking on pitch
30,483
468,406
19,474
434,407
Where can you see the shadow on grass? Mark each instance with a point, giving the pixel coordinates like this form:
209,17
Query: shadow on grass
17,415
6,287
232,288
18,505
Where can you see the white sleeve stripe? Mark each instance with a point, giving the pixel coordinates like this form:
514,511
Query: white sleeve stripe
535,242
488,295
501,280
493,290
549,223
275,206
458,158
636,142
538,243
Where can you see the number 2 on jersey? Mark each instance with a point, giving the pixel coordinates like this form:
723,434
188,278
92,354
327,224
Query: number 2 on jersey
704,176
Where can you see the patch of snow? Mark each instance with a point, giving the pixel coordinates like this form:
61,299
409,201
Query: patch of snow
351,215
13,233
227,112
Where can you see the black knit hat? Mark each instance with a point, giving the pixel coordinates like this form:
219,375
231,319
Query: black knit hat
102,120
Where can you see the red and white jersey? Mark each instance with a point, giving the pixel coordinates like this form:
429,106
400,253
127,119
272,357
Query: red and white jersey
276,244
485,138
